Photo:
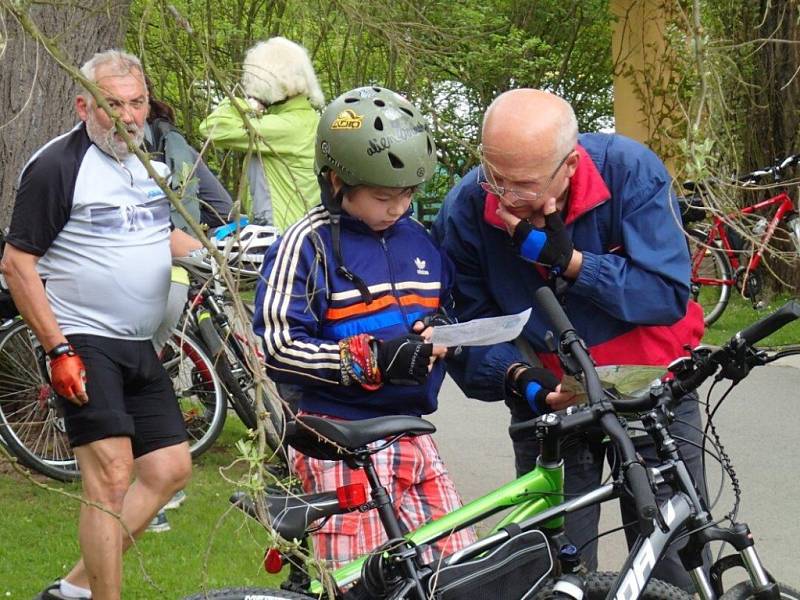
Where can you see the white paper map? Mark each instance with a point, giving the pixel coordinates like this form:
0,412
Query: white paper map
481,332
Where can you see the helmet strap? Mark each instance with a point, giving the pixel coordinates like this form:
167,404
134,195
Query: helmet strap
333,203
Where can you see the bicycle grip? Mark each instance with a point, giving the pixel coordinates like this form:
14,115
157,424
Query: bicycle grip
643,497
549,305
771,323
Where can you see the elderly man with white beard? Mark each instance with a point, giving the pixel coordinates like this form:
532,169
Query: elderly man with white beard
88,263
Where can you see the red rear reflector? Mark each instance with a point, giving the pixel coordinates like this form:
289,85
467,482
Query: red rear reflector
352,496
273,561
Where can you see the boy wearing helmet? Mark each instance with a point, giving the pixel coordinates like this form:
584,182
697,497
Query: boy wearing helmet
345,306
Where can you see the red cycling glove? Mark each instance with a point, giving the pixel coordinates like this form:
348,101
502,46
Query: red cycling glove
68,374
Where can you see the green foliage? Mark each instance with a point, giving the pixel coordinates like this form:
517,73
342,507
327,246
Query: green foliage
451,58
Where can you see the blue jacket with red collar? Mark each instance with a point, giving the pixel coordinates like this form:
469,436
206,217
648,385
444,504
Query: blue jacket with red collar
304,307
629,301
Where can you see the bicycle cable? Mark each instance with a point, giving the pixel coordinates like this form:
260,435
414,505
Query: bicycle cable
726,460
622,527
706,451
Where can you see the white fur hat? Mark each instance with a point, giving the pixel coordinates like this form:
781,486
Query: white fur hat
279,69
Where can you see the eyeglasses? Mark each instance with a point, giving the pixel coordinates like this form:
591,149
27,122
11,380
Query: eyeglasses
519,195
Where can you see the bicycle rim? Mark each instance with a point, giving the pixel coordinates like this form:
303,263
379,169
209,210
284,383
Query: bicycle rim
30,421
197,389
711,274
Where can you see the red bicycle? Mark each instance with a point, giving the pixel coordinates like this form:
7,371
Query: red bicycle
721,257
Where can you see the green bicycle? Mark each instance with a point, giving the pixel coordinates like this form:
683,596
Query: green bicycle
527,553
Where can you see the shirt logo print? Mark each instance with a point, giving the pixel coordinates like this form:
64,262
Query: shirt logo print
421,264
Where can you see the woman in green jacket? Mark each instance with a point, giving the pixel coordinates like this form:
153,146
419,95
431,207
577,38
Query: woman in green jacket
282,95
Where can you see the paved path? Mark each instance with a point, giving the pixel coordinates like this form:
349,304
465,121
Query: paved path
760,428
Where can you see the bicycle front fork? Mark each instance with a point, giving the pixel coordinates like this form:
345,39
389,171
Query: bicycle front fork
709,586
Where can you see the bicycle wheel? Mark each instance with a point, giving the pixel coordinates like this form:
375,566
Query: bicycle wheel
197,388
744,591
248,594
237,345
598,586
30,421
711,276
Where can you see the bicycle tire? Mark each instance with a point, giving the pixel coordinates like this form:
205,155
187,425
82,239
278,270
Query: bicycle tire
275,410
240,401
598,586
248,594
744,591
244,400
31,423
198,390
709,263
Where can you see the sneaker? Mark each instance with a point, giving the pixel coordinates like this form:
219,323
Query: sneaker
176,500
159,523
53,592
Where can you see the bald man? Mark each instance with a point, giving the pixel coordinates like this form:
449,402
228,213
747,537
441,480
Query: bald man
593,216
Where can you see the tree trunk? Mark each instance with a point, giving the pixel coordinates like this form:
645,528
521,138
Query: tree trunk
36,96
769,115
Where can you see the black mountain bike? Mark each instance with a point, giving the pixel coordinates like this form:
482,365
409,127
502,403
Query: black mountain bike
528,554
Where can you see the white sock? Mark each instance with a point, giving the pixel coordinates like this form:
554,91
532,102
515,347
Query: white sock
73,591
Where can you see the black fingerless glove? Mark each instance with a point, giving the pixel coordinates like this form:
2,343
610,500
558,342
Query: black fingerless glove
527,388
550,246
437,319
404,360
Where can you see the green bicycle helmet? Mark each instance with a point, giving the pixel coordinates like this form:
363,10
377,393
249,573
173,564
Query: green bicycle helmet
374,136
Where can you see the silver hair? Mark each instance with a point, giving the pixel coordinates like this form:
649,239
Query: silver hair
279,69
121,63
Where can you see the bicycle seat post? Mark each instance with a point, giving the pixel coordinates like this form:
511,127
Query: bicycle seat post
382,501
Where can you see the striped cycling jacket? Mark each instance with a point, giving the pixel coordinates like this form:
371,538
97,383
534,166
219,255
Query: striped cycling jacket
303,309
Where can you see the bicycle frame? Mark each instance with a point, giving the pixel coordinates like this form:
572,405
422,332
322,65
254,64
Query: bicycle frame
718,232
532,494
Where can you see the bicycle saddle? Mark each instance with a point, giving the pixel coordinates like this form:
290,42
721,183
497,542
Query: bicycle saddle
291,515
309,434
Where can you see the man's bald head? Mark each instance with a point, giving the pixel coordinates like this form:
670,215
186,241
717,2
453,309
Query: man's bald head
533,123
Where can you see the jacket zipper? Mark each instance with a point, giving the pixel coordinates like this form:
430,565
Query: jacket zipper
392,281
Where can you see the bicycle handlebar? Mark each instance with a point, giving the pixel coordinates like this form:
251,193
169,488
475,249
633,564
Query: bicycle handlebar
773,170
748,178
771,323
634,472
706,366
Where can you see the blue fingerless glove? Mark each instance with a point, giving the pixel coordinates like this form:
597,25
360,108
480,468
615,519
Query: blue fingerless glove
528,387
550,246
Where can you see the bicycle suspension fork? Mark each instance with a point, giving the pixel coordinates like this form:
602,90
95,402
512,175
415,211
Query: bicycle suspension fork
702,525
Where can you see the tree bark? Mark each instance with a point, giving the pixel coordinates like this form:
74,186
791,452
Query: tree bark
36,96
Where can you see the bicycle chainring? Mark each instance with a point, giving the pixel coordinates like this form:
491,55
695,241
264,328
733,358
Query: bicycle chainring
750,283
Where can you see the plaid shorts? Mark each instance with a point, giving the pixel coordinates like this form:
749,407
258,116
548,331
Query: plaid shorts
421,490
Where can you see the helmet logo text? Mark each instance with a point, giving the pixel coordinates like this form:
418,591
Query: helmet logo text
347,119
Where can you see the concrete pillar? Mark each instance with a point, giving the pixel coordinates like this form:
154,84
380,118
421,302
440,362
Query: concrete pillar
642,61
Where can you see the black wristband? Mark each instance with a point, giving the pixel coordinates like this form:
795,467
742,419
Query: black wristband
60,350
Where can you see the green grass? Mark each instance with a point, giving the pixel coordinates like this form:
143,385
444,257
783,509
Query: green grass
740,313
208,545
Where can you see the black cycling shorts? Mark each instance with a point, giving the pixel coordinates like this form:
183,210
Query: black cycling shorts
130,394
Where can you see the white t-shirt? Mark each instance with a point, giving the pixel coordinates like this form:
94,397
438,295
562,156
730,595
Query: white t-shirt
102,230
